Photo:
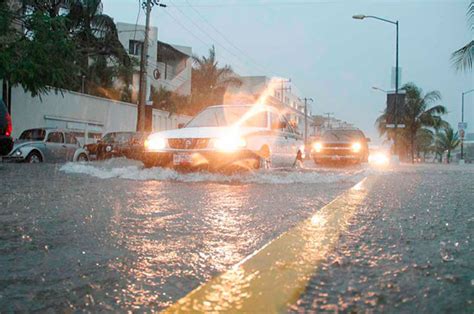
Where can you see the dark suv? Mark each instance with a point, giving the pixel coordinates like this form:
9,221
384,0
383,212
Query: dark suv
6,141
341,145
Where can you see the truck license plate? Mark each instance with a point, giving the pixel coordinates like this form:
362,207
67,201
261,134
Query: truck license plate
180,159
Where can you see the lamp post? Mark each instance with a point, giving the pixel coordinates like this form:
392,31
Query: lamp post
380,89
306,100
462,120
361,17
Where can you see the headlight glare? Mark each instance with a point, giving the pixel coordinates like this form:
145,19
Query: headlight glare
155,143
356,147
317,147
229,144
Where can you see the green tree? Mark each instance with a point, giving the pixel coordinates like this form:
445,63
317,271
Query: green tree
169,101
36,50
424,142
463,57
210,81
62,41
102,57
447,141
418,112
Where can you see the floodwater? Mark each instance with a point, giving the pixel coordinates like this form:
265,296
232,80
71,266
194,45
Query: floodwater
113,236
408,249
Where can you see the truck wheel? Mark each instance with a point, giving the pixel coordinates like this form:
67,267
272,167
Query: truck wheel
34,157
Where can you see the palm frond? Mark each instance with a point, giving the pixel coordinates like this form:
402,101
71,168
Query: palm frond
463,57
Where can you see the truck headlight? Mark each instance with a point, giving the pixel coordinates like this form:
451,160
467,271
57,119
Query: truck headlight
317,147
154,142
229,144
356,147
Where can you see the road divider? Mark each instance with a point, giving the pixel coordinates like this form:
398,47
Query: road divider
274,277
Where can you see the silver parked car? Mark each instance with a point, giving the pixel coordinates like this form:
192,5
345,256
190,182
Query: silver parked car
47,145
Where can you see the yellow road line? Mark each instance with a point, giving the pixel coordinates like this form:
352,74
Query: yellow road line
275,276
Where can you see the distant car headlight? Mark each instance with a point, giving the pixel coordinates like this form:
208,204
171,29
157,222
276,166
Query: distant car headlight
317,147
154,142
379,158
229,144
356,147
108,148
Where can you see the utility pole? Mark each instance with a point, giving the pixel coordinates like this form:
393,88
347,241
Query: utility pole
141,114
395,141
329,114
306,100
462,122
283,88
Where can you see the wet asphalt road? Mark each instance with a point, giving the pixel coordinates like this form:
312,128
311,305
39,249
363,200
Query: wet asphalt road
409,249
112,236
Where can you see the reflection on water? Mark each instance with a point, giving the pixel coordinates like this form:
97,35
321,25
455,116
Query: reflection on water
117,245
218,226
279,272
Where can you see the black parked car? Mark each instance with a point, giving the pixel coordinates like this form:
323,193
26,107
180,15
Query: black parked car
111,145
6,141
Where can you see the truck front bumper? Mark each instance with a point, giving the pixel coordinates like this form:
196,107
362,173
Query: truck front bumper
209,159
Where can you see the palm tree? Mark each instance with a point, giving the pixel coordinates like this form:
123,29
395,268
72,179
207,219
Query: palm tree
418,112
424,142
447,140
463,57
209,81
100,55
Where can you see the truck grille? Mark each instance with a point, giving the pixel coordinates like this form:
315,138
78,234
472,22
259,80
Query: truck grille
339,145
338,152
188,143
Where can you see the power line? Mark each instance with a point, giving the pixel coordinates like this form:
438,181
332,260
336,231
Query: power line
225,38
243,62
261,4
207,45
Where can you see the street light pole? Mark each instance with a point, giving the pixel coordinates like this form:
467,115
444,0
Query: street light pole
306,120
361,17
462,120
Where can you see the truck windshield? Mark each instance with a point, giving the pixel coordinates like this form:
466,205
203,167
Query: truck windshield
227,116
342,135
33,135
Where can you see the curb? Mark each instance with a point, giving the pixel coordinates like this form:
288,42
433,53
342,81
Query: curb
274,277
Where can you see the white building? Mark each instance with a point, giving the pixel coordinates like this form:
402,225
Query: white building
169,66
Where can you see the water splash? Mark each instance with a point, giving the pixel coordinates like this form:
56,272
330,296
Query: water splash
132,170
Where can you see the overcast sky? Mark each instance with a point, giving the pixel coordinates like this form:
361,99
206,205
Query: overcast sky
328,55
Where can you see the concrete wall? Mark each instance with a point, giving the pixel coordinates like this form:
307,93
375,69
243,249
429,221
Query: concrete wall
80,112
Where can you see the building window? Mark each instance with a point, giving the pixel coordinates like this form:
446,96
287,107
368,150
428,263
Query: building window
135,47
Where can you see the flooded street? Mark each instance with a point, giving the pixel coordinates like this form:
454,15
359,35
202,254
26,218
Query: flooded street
113,236
409,248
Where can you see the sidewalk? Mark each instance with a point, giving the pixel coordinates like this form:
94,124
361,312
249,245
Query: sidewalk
408,249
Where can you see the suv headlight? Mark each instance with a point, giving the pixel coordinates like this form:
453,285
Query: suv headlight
228,144
154,142
356,147
317,147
